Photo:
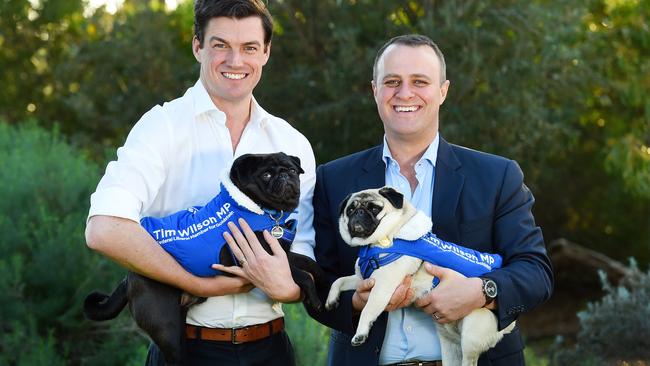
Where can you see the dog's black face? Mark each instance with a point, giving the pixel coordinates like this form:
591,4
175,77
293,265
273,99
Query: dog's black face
363,210
362,216
271,180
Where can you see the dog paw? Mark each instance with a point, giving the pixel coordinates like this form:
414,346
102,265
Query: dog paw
331,304
315,304
359,339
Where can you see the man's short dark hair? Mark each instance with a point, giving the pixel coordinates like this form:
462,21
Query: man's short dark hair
412,40
204,10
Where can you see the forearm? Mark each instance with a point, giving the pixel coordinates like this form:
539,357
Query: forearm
128,244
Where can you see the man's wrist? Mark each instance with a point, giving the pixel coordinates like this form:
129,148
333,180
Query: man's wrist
489,290
194,285
290,294
357,303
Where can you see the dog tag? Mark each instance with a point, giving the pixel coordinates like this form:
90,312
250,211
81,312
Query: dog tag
277,232
384,242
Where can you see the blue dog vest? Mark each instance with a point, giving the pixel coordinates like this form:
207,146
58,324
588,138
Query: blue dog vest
194,237
430,248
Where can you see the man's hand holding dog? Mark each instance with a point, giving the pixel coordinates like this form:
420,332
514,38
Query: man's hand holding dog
454,297
402,296
269,273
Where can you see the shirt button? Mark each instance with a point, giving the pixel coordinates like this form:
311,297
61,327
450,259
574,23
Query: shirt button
409,329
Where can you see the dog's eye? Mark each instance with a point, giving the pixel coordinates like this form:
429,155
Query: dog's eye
266,175
375,210
292,171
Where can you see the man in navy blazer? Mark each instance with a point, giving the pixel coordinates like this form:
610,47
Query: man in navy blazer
475,199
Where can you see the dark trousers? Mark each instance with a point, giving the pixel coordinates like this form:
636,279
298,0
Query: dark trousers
275,350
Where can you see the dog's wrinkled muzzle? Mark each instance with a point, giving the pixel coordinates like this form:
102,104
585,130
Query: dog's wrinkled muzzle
361,223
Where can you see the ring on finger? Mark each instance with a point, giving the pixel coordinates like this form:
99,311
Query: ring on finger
436,316
242,261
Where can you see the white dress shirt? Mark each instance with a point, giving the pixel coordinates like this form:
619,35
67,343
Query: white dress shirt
174,157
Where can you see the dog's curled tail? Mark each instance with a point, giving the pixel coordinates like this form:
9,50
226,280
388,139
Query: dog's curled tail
99,306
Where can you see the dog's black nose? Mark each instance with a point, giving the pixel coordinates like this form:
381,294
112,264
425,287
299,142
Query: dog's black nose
361,223
357,228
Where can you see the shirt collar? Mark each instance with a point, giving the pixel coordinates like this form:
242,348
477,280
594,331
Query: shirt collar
203,103
430,154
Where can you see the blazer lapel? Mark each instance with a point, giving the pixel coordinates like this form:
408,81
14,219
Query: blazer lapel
373,174
446,192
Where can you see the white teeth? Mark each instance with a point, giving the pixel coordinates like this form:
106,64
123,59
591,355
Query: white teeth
230,75
406,109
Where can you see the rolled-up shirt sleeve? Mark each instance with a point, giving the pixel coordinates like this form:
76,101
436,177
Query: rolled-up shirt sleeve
131,183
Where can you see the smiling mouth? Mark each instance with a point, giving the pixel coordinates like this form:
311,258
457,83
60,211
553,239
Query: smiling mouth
234,76
406,109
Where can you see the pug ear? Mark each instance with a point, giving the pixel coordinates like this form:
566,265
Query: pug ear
344,203
241,167
395,198
296,161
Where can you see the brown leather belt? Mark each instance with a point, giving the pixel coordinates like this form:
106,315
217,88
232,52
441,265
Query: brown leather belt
417,363
235,335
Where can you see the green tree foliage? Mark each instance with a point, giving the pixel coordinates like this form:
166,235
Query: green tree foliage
34,38
619,100
45,270
94,76
128,62
595,190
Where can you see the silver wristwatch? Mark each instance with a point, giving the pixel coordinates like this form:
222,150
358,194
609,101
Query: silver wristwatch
490,290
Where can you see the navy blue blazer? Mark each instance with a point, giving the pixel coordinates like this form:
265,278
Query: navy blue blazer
479,201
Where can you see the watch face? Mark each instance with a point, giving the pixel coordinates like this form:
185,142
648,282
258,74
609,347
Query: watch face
490,289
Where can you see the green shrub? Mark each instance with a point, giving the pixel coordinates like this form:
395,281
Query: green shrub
45,268
614,329
309,338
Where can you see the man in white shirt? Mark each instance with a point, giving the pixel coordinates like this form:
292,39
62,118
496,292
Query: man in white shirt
173,159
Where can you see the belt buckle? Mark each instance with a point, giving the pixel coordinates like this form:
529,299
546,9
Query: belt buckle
233,337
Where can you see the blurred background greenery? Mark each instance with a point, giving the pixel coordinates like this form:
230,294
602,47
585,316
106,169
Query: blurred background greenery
562,86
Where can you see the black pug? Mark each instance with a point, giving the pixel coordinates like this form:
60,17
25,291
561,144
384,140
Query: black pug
263,187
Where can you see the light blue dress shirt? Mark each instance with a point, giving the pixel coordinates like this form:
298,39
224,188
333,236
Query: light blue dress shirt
411,333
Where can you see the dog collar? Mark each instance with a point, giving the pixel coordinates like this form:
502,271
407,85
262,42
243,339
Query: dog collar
277,231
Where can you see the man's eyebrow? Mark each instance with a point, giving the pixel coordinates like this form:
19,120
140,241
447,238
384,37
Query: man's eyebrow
249,43
215,38
410,76
419,76
390,76
252,43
